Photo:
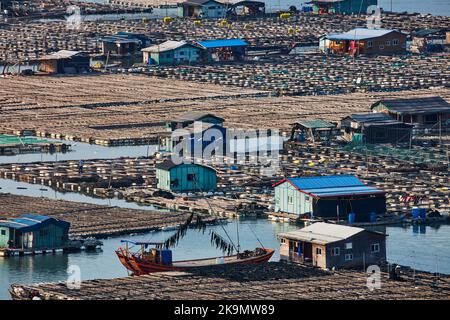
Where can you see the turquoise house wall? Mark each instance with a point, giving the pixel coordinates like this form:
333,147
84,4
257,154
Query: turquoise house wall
206,178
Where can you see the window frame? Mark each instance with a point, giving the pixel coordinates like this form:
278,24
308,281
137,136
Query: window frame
349,245
335,251
318,251
348,257
373,246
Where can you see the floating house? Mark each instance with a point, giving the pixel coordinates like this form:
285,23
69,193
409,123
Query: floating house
31,233
123,43
65,61
427,112
185,177
312,130
328,246
202,9
189,118
364,41
246,8
224,50
329,197
341,6
173,52
375,128
428,40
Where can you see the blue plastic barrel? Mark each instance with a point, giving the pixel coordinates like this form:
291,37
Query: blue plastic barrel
233,167
373,217
415,212
166,257
423,213
351,217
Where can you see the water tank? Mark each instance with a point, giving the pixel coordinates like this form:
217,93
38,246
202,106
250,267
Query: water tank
415,212
166,257
351,217
373,217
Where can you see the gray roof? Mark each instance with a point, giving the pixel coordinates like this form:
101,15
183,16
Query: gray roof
427,105
360,34
195,116
168,46
316,124
201,2
169,164
323,233
370,117
62,54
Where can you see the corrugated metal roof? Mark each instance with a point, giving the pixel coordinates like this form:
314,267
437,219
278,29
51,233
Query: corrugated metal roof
359,34
370,117
30,222
316,124
322,233
167,46
195,116
61,54
425,105
330,186
209,44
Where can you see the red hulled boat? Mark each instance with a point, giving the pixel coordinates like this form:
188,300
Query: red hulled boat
157,260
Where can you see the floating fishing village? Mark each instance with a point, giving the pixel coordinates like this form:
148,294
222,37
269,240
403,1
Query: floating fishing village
224,150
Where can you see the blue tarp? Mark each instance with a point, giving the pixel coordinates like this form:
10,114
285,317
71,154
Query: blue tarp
211,44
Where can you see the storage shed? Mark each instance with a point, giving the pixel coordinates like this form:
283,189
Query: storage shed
327,245
173,52
427,111
224,50
375,128
313,130
342,6
190,117
65,61
32,232
202,9
364,41
329,197
185,177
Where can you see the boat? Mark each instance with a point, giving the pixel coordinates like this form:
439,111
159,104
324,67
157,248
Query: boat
149,258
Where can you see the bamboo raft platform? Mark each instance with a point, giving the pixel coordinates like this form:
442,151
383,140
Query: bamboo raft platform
124,109
259,282
90,220
21,41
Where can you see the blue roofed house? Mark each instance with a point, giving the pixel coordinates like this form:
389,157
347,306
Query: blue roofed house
225,49
32,232
329,197
364,41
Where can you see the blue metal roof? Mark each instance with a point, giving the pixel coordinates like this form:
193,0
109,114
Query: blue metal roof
329,186
210,44
31,222
359,34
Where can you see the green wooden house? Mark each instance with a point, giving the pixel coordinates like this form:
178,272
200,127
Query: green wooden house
185,177
342,6
32,232
173,52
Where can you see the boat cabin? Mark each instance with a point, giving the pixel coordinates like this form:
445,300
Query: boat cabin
150,251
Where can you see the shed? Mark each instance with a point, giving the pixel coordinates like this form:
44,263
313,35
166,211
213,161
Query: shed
225,49
122,44
427,111
375,128
342,6
312,129
33,232
173,52
329,197
65,61
185,177
202,9
327,245
246,8
190,117
364,41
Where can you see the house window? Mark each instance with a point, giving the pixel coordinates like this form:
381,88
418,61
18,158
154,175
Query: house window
3,232
374,248
369,44
318,251
290,199
283,240
307,198
181,53
388,43
335,251
395,42
174,183
381,46
349,245
191,177
348,256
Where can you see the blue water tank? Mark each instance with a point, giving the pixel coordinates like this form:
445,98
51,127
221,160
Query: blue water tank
351,217
373,217
166,257
415,212
233,167
423,213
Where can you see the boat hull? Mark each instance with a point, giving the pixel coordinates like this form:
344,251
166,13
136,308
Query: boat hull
137,267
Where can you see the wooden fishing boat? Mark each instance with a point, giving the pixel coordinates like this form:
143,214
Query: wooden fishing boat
151,260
